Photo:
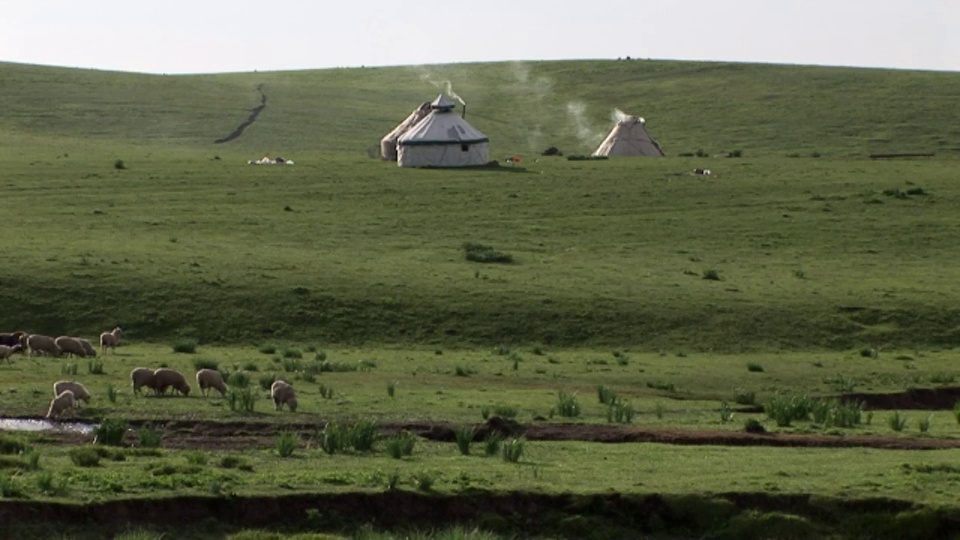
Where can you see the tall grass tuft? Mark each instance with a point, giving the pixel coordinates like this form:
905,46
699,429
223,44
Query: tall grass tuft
744,397
95,367
149,438
239,379
49,483
68,369
110,432
567,405
491,445
785,409
84,456
392,388
755,367
956,411
401,445
620,411
362,435
111,393
266,380
897,422
424,480
512,450
924,424
464,436
241,399
285,444
325,391
726,413
205,363
267,348
606,395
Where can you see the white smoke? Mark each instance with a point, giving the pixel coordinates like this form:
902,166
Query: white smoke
443,84
577,112
618,116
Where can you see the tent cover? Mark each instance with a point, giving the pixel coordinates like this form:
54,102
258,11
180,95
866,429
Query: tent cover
629,137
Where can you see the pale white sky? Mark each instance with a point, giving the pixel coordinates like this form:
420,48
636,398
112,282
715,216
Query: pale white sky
208,36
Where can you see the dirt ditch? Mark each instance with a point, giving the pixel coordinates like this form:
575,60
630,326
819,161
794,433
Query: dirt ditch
928,399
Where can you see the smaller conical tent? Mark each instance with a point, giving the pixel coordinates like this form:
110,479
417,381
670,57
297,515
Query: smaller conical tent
388,144
443,139
629,137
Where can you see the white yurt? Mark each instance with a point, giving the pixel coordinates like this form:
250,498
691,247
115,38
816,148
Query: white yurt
629,137
388,144
443,139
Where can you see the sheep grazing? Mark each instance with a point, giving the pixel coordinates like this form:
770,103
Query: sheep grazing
87,347
165,378
6,351
70,345
37,344
62,403
282,393
79,391
142,376
211,378
110,339
10,339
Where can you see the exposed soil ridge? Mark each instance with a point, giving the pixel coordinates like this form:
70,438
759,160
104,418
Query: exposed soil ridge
254,113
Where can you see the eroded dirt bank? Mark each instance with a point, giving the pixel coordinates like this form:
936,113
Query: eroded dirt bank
572,516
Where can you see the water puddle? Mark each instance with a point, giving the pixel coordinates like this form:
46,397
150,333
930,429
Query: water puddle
28,424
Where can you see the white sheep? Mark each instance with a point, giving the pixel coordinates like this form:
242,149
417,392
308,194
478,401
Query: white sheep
211,378
142,376
165,378
79,391
6,351
110,339
39,344
62,403
70,345
282,393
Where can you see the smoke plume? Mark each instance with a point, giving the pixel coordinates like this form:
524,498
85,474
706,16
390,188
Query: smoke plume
576,111
443,84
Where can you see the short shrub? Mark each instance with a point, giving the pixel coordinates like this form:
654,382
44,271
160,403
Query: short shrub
185,346
943,378
110,432
68,369
464,436
785,409
505,411
32,459
291,352
661,385
744,397
392,388
752,425
11,487
291,365
754,367
367,364
481,253
286,443
235,462
95,367
320,356
119,165
49,483
267,348
111,393
711,274
512,450
267,380
461,371
148,437
205,363
196,457
485,413
325,391
659,411
239,379
84,456
250,366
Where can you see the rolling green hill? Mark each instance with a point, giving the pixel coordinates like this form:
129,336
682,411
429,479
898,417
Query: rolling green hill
187,240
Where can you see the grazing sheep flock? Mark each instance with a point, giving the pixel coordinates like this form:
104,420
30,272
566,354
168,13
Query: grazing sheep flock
283,394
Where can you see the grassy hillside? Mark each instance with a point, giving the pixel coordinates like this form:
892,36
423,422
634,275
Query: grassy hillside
189,240
523,107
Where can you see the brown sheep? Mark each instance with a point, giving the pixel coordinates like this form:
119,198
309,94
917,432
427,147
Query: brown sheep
110,339
211,378
142,376
39,344
282,393
79,391
165,378
70,345
62,403
87,347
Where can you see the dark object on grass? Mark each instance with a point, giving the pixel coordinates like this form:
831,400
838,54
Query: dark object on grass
552,151
485,254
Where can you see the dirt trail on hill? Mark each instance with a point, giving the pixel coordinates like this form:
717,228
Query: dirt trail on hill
254,113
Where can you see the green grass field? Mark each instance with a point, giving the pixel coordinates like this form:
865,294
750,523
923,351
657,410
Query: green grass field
816,255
